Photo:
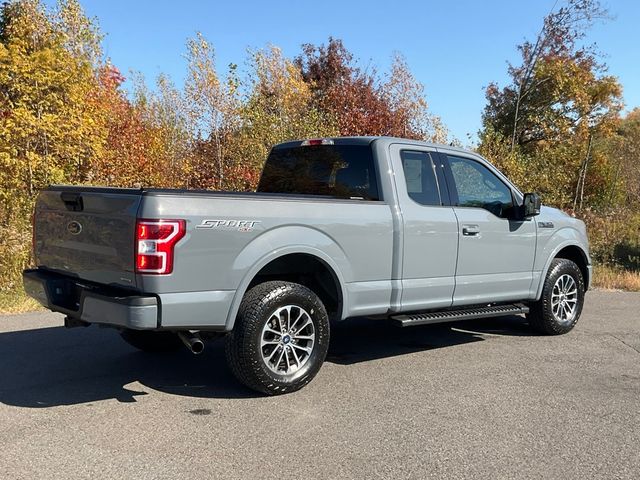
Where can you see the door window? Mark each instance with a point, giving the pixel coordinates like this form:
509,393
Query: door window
478,186
420,178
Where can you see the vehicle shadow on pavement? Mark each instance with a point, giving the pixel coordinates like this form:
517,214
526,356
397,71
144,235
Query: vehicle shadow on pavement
56,366
361,340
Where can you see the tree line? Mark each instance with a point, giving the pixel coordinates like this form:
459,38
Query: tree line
65,117
557,128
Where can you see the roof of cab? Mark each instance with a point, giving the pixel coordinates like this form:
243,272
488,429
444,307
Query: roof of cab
366,140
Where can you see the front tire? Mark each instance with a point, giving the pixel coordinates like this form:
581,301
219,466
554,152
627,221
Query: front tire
560,305
280,338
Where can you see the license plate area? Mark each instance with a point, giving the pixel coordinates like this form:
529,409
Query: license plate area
65,293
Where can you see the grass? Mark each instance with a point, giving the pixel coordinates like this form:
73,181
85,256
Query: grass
612,278
605,277
17,302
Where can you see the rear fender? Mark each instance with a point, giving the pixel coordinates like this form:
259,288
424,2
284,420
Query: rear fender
277,243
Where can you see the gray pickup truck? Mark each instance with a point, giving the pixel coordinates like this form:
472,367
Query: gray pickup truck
338,228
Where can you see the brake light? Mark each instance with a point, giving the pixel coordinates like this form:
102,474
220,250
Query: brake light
316,141
155,241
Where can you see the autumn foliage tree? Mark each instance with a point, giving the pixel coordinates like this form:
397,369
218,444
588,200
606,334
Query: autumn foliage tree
360,101
557,111
68,115
279,106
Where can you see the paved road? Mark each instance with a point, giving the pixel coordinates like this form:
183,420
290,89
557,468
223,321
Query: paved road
465,400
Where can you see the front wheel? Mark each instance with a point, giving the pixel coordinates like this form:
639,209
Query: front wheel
560,306
280,338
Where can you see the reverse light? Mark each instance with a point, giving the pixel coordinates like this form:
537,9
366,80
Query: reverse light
316,141
155,242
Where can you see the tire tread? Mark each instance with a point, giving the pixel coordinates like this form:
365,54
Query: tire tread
243,360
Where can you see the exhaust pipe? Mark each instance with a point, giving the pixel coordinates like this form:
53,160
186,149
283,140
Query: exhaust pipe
192,341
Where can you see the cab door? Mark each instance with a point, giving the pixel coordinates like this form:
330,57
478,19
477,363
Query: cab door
496,250
430,229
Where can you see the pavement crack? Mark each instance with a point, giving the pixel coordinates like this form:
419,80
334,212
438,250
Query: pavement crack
625,343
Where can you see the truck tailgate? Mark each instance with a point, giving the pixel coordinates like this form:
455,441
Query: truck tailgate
88,233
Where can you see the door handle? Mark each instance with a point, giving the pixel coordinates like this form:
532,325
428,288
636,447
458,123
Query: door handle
470,230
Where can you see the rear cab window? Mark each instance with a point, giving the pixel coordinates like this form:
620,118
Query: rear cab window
420,178
338,171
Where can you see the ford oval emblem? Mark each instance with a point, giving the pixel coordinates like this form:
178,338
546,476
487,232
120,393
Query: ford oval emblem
74,228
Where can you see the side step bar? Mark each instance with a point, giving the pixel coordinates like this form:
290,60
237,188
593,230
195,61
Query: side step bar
461,314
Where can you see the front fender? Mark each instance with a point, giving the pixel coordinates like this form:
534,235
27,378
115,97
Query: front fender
560,239
279,242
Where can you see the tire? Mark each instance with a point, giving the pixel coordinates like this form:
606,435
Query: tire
555,313
149,341
285,316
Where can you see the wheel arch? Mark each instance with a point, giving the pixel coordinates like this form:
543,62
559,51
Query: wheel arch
301,264
570,251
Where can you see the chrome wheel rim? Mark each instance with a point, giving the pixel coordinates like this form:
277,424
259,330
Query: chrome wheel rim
287,339
564,299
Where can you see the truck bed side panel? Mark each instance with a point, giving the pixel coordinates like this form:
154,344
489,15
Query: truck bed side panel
227,238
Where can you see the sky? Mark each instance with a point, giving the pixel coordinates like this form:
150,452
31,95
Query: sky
454,48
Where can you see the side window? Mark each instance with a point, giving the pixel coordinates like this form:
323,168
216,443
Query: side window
420,177
478,187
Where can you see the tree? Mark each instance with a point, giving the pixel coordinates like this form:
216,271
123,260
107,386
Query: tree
279,107
212,106
559,108
409,109
557,40
164,114
352,96
47,128
363,103
624,149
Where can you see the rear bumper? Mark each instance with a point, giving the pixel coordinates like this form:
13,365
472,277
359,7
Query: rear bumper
92,304
96,303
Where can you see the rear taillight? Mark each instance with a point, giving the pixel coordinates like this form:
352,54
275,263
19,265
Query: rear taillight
155,240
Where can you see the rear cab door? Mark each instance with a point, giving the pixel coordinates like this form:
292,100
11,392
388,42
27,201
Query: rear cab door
430,229
496,250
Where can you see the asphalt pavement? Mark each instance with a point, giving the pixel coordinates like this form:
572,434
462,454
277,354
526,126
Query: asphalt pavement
481,399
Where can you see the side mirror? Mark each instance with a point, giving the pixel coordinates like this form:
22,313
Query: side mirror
531,205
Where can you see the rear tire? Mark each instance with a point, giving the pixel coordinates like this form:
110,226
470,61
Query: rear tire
150,341
280,338
560,305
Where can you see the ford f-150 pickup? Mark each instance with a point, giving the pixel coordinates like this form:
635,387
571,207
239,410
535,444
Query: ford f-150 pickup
339,227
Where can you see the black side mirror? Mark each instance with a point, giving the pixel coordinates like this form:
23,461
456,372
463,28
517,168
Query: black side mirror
531,205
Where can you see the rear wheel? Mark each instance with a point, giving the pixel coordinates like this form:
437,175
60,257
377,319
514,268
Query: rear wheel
280,338
560,306
149,341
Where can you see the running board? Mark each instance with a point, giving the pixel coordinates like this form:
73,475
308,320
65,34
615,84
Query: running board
461,314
